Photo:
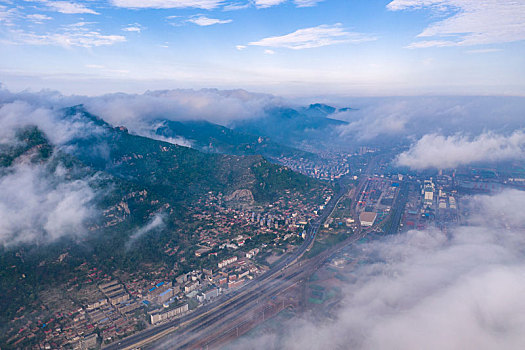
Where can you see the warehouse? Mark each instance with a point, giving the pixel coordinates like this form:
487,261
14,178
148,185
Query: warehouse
367,218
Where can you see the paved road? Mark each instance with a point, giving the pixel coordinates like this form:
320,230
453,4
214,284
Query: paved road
230,300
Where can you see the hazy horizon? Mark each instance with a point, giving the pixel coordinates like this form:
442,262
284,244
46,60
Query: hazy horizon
291,48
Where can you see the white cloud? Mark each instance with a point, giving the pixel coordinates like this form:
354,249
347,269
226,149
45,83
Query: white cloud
236,6
7,15
469,22
81,34
88,39
155,223
240,47
497,210
178,140
20,110
319,36
137,111
269,52
133,28
484,51
39,207
306,3
206,21
397,120
166,4
268,3
38,18
437,151
150,130
369,128
40,203
78,24
73,35
69,7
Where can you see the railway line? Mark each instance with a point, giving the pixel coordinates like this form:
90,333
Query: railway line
231,300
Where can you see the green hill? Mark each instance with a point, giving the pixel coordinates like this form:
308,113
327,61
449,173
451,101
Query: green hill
181,172
303,129
213,138
135,179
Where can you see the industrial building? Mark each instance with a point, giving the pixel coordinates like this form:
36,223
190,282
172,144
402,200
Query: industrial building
428,192
205,296
367,218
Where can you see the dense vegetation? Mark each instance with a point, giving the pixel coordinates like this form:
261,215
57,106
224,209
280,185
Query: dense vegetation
213,138
29,139
135,177
293,128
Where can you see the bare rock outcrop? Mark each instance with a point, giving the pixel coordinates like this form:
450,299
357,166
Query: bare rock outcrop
241,196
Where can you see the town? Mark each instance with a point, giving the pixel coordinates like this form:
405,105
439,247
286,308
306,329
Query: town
234,241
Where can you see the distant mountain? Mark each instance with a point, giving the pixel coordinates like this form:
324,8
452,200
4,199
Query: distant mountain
321,110
303,128
318,110
347,109
213,138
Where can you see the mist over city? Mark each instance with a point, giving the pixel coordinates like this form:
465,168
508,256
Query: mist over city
262,174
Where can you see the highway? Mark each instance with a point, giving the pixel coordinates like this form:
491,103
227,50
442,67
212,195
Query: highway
239,298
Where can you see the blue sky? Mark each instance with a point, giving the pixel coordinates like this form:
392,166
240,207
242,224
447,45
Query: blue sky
292,48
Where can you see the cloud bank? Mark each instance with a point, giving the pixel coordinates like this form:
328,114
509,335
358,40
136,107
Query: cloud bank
422,290
19,113
136,110
38,206
438,151
216,106
41,201
402,119
140,113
